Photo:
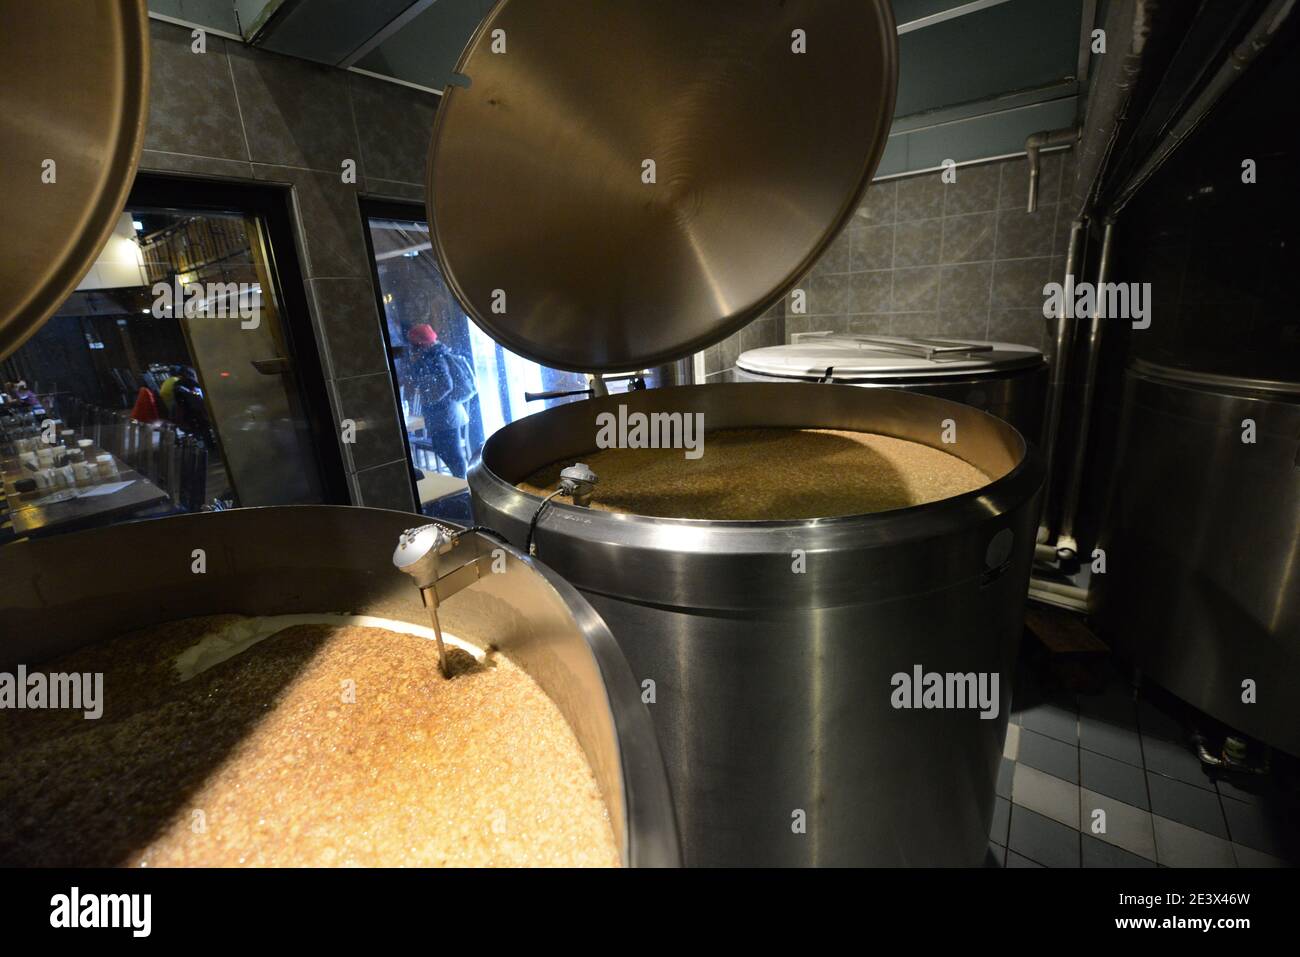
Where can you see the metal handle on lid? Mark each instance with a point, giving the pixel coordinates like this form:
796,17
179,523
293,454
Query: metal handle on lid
923,348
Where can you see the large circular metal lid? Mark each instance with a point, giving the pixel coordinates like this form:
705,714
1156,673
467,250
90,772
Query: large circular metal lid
74,98
887,359
623,183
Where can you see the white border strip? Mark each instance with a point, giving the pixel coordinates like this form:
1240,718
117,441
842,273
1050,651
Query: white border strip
944,15
195,26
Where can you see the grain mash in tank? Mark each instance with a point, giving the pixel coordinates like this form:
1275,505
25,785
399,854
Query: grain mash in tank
229,741
771,474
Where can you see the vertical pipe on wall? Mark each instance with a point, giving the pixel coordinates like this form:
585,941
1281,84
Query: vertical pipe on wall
1066,545
1059,367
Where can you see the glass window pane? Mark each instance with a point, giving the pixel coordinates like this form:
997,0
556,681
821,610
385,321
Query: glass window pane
163,384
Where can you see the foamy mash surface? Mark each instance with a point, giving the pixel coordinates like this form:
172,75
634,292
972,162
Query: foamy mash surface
303,740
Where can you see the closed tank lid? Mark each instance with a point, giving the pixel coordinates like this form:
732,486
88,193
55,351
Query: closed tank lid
617,185
847,358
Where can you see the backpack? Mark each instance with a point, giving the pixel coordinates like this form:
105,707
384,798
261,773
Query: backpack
462,377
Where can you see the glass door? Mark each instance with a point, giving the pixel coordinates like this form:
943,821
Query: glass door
427,333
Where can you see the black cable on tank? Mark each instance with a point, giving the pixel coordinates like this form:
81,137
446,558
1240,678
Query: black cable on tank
532,526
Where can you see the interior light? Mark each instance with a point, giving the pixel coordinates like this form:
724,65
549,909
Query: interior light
139,226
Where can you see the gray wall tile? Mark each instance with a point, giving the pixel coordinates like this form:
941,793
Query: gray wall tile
914,323
192,105
1022,235
922,257
916,290
878,206
836,258
1018,283
386,486
920,197
368,401
296,113
345,311
761,332
871,292
872,325
918,243
828,296
392,189
975,190
969,238
965,288
207,167
394,124
871,247
330,215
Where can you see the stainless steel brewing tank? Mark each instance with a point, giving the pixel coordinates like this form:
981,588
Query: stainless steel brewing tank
59,593
1202,543
771,690
1002,378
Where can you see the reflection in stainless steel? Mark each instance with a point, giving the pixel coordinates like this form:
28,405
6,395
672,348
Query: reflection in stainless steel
772,688
543,224
66,591
1202,583
74,91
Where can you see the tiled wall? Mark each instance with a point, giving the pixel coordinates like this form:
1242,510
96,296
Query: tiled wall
962,259
238,113
767,330
925,257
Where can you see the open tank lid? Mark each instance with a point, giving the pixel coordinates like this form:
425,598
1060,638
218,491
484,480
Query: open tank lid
74,98
621,184
887,358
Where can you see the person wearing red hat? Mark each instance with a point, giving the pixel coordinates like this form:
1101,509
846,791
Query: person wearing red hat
444,382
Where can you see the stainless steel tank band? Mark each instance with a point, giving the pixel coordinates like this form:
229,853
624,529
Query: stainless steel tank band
642,558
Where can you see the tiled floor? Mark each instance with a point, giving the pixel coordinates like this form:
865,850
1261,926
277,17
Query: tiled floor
1099,780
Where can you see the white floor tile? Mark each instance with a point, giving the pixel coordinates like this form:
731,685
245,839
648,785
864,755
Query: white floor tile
1249,857
1046,794
1126,826
1178,845
1011,748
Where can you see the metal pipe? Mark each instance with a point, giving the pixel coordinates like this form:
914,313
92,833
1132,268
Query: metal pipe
1045,553
1045,139
1066,545
1058,368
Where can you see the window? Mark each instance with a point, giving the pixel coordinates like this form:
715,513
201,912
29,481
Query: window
167,382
